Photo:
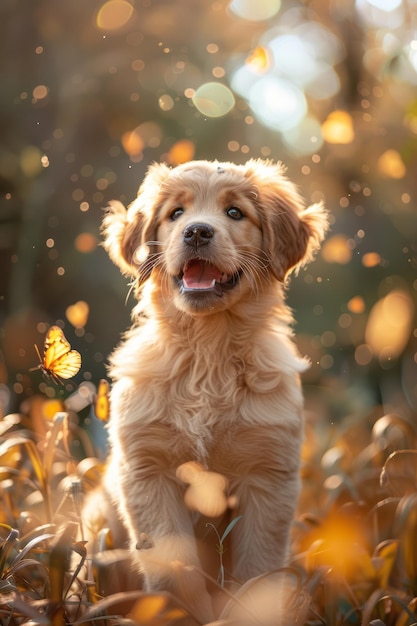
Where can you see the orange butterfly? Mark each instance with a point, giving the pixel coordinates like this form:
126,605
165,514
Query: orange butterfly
58,361
102,404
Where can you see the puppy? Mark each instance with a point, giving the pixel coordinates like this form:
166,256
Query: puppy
208,374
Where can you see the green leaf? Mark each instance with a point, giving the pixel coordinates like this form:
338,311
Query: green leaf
230,527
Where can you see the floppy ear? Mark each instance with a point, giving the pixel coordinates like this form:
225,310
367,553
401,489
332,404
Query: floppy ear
292,233
129,234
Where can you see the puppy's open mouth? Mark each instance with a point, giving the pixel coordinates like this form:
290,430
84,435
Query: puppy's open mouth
200,276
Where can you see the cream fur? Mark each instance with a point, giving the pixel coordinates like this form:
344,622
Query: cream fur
207,377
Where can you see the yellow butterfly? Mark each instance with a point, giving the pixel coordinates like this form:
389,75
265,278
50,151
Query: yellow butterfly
58,361
102,404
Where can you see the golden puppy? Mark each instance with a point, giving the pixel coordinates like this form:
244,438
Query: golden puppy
208,374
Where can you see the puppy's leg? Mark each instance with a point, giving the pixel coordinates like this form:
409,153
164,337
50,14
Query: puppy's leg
260,540
141,479
263,468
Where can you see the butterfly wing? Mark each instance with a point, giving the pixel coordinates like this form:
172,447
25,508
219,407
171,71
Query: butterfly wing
102,404
59,360
56,346
67,365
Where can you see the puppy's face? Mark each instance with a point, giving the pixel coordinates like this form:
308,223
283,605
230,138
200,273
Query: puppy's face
211,234
210,239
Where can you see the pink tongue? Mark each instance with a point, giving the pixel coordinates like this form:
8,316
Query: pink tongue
200,275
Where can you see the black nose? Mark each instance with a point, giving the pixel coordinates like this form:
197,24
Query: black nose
198,234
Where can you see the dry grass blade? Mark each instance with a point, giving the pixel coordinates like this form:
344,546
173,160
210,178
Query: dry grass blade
21,556
58,566
406,529
376,597
30,447
53,434
115,599
23,608
399,473
7,547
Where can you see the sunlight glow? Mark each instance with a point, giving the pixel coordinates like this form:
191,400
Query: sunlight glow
382,13
412,53
288,65
278,103
340,544
293,58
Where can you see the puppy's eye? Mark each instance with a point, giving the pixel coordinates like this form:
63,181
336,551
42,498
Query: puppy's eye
176,213
234,213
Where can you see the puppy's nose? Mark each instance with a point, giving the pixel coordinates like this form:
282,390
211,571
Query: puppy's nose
198,234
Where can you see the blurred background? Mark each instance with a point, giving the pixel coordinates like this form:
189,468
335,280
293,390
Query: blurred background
93,92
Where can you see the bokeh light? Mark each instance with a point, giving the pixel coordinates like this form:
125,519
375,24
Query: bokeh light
213,99
389,324
337,250
259,60
288,66
166,102
181,152
356,304
391,165
371,259
294,58
381,12
146,135
305,138
255,11
114,14
338,128
279,103
385,5
85,242
40,92
77,314
339,543
31,161
132,143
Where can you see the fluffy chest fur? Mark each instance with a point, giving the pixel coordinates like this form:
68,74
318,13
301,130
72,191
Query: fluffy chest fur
199,377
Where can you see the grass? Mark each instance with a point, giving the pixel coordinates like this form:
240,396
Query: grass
354,557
